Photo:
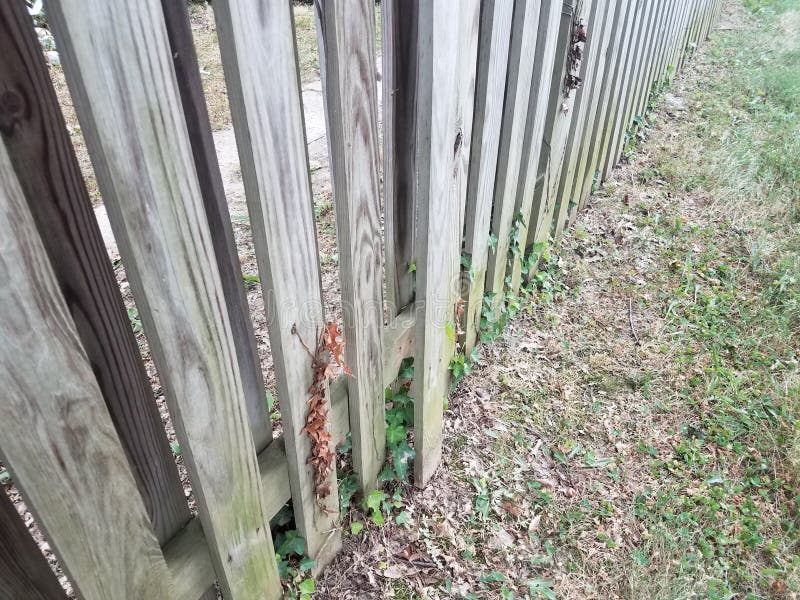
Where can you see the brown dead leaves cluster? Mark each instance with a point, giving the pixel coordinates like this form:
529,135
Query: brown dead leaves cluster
329,351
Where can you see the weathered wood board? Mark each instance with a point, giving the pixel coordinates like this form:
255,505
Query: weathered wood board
69,463
443,91
267,116
118,64
493,47
346,32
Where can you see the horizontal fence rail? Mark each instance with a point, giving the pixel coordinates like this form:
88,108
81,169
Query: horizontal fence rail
495,121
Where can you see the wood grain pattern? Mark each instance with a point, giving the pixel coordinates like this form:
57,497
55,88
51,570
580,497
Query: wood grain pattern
24,571
69,464
346,31
546,46
493,47
184,58
598,26
399,47
33,130
441,192
118,64
267,115
521,59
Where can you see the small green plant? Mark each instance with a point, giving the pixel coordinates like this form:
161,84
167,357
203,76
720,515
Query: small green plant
135,321
399,421
293,565
250,281
461,366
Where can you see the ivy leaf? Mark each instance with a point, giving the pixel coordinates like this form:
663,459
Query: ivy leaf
307,586
293,544
406,369
493,242
400,457
356,527
306,564
412,267
283,566
374,499
402,518
395,434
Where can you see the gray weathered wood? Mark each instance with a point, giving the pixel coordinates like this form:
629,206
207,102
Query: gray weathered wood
346,32
546,46
560,110
597,24
441,191
399,48
521,59
24,571
57,435
176,16
587,167
638,57
267,116
119,68
620,93
40,150
493,46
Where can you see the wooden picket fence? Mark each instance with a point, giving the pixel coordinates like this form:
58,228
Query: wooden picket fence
483,134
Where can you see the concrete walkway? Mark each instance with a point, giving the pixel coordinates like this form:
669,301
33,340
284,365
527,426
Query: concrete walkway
228,156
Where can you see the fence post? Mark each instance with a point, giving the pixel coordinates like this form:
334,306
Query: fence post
346,32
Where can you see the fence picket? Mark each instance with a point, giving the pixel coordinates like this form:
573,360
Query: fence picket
441,194
346,30
612,80
598,26
495,37
521,60
573,188
620,94
176,16
118,64
626,114
268,121
78,485
546,46
42,156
